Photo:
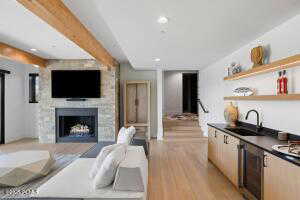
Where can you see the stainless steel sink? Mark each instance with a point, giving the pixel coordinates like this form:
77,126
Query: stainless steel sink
243,132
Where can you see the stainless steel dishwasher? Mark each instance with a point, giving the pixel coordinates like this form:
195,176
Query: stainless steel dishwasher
251,168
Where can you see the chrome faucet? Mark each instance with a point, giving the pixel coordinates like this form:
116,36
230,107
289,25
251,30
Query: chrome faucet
258,125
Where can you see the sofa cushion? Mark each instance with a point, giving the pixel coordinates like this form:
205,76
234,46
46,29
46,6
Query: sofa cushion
100,159
106,174
72,182
132,173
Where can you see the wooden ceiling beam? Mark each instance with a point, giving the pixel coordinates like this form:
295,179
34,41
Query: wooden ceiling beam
57,15
12,53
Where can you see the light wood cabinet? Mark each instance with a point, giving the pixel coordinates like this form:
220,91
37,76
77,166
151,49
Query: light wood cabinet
281,179
231,158
137,106
223,153
220,151
212,145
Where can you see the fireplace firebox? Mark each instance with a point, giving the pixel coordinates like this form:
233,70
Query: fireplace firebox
76,125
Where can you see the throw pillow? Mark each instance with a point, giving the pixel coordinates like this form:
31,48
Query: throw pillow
100,158
106,175
132,131
124,136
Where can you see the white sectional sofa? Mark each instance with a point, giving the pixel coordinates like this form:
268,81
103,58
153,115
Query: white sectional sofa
73,181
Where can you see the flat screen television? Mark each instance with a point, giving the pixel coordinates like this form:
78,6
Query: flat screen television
76,83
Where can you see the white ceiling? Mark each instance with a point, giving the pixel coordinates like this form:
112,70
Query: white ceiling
24,30
199,32
95,23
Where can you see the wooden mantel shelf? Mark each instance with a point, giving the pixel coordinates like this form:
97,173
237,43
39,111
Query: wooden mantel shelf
282,64
289,97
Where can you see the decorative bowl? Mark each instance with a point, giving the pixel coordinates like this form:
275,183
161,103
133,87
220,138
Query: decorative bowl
243,91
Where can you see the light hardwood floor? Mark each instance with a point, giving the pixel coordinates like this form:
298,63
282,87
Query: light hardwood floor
32,144
178,169
178,166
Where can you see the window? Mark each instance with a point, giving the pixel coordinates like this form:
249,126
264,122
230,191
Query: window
33,87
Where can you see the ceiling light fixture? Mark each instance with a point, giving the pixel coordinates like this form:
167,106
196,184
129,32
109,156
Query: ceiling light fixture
157,59
162,20
33,49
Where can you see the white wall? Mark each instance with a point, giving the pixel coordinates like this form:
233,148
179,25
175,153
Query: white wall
173,91
128,73
282,41
160,98
31,109
19,114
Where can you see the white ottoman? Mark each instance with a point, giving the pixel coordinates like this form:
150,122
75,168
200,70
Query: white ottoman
23,166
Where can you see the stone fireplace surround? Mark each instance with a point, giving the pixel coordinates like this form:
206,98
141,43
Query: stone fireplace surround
107,105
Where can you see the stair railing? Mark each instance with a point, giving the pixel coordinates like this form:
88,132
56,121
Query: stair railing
201,105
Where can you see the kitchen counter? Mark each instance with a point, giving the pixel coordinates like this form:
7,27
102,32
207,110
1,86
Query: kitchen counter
264,142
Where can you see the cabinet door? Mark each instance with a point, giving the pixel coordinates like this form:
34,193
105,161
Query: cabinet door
221,151
142,103
231,156
281,179
213,146
130,106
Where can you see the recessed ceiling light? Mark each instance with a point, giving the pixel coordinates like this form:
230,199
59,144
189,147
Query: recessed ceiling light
33,49
157,59
36,66
162,20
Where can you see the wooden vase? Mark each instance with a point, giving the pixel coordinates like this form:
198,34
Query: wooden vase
257,56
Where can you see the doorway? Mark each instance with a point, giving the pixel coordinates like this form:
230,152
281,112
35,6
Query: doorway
189,93
180,118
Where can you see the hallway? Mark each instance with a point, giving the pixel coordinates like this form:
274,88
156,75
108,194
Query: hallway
179,169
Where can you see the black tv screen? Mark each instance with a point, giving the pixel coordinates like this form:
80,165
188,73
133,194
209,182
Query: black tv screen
76,83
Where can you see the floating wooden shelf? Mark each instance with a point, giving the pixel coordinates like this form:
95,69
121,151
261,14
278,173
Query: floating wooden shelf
285,63
289,97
